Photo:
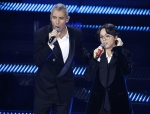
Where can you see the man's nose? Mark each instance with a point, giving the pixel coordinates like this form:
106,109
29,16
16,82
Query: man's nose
57,21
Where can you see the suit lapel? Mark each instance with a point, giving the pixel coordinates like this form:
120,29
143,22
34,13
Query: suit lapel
72,45
103,69
112,70
106,71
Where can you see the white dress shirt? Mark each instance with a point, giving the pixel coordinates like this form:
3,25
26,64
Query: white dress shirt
64,46
108,58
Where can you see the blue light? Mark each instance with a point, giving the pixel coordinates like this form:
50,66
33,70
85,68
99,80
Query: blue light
95,9
148,99
92,9
77,70
110,10
148,29
20,66
73,9
43,8
2,68
24,66
22,5
11,5
16,68
46,8
33,69
129,10
28,7
144,12
11,70
130,95
88,9
33,8
15,6
144,99
29,68
133,97
100,10
37,7
83,71
36,70
82,9
141,98
68,7
116,11
25,5
140,12
18,6
135,11
80,71
5,68
40,7
74,69
137,97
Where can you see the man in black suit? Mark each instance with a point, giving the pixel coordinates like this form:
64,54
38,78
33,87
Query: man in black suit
54,50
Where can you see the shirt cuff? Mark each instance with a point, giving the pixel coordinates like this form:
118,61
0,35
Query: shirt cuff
99,59
51,45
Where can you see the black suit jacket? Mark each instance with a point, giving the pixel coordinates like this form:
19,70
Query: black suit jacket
50,84
110,77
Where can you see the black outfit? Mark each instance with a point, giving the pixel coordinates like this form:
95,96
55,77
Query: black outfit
109,93
54,84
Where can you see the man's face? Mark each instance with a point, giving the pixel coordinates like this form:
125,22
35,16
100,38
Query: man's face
59,19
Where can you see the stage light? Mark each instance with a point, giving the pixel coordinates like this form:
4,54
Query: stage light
119,27
31,7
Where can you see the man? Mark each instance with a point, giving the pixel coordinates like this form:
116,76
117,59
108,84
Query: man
54,50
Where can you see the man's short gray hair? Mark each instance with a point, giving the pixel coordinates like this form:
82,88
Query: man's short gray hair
59,7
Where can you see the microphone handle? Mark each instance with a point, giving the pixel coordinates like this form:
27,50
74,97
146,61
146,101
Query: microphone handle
51,39
98,53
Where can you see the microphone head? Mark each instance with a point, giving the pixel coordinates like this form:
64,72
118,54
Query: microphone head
103,46
57,29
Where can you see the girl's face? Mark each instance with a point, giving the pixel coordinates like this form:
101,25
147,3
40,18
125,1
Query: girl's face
107,39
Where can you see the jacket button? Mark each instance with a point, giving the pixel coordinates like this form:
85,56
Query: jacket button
54,59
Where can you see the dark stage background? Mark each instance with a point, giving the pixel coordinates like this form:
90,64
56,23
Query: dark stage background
18,23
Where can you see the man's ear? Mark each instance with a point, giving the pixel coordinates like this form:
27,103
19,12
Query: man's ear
68,18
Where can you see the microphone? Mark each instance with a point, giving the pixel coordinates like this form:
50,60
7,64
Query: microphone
100,51
53,37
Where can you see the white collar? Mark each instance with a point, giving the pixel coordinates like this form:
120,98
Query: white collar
65,37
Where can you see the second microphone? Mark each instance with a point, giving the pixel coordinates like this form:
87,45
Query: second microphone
98,54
